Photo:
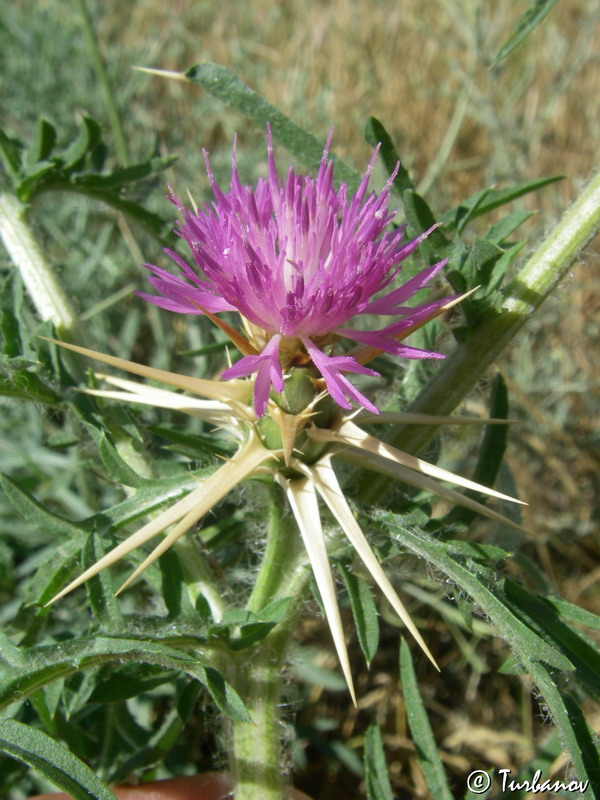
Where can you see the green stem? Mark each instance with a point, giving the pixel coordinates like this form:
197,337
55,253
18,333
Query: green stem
40,281
256,752
105,84
462,369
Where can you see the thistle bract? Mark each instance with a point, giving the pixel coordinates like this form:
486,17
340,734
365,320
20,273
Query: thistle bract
298,260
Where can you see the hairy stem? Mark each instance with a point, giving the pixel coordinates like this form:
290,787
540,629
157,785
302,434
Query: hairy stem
40,281
256,751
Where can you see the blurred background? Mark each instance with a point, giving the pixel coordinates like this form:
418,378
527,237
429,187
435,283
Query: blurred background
422,68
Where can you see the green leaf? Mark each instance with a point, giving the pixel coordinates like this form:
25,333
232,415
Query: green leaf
150,496
541,617
375,134
487,200
502,229
45,663
377,781
126,175
485,587
37,514
174,591
485,553
131,680
526,25
364,612
116,467
89,137
535,655
52,760
420,217
100,589
10,152
222,83
42,146
570,611
26,385
426,747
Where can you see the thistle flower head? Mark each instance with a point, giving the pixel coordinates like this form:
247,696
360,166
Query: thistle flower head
298,259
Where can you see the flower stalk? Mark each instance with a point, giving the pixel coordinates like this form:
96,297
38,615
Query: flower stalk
256,753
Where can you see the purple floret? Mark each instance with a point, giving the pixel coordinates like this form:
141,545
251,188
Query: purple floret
298,259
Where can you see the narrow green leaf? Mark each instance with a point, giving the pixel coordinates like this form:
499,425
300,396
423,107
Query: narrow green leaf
100,589
524,27
222,83
173,587
116,467
52,760
10,152
426,747
377,781
43,144
121,683
541,617
532,652
485,587
570,611
364,612
126,175
376,134
494,198
502,229
89,136
420,217
36,513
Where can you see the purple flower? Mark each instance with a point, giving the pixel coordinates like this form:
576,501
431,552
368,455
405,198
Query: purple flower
298,260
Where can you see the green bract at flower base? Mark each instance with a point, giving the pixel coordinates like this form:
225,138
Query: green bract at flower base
297,450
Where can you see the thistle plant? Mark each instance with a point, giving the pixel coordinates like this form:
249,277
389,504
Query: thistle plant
340,326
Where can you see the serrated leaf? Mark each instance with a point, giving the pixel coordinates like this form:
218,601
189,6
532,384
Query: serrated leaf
46,663
476,580
37,514
524,27
364,612
222,83
26,385
535,655
377,782
541,616
52,760
420,728
375,134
